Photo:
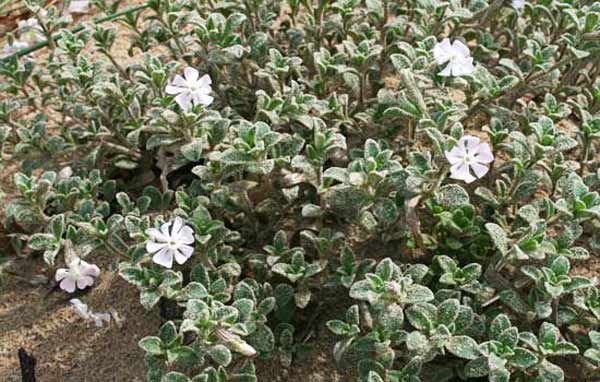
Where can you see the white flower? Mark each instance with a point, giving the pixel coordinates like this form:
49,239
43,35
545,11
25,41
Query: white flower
469,154
457,57
14,47
31,23
79,6
79,275
167,244
83,311
30,30
191,89
65,173
518,4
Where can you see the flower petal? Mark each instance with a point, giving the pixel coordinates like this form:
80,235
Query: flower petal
180,81
479,169
442,51
460,48
205,81
164,229
457,154
85,281
61,274
183,253
462,66
75,265
485,154
186,235
184,100
157,235
177,224
89,269
471,143
152,247
67,284
460,171
191,75
164,257
203,99
447,70
172,90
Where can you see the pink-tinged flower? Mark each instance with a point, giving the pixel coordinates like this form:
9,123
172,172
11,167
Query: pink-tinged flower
79,275
456,55
167,244
191,89
469,154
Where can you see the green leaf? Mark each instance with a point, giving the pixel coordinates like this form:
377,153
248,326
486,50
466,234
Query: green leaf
220,354
498,326
561,265
595,338
565,348
418,293
549,335
175,377
514,301
499,237
593,355
452,196
263,339
192,151
245,307
509,337
422,316
499,375
523,358
417,341
512,66
361,290
448,311
337,327
447,263
151,345
41,241
463,347
477,368
549,372
193,290
167,332
266,306
374,377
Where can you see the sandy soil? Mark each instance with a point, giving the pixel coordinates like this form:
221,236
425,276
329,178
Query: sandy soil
68,348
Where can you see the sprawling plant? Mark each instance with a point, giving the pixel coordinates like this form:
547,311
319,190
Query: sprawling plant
433,164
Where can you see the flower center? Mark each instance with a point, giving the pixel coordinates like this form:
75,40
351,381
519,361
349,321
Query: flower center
454,57
469,158
76,273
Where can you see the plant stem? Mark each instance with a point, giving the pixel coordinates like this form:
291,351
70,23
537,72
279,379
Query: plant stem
57,36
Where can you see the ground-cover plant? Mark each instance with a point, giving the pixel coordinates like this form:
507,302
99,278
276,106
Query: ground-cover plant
435,164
